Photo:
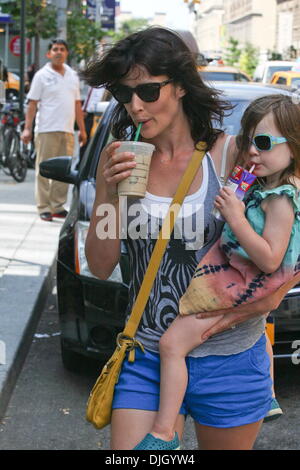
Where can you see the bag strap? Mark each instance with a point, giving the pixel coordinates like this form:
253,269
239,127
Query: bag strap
162,242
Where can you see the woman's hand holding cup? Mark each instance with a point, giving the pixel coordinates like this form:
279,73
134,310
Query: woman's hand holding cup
116,167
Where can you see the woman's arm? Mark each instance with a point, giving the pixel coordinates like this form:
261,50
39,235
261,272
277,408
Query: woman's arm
103,245
271,247
232,317
266,251
217,154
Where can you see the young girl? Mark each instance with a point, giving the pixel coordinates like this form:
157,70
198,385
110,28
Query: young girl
259,246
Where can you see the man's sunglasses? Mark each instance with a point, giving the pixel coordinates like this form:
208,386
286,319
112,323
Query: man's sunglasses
262,142
147,92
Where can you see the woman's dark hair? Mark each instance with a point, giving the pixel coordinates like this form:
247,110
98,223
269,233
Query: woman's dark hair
286,112
161,52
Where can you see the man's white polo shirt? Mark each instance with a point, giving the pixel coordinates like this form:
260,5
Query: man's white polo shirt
56,94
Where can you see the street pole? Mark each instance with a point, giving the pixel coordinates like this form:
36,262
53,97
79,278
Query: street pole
22,58
61,6
98,12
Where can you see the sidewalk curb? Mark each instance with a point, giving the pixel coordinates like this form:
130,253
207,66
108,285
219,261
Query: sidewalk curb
10,375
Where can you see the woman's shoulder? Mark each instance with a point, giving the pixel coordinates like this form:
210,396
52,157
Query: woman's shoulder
224,143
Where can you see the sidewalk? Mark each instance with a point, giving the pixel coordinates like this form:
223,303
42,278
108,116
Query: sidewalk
27,260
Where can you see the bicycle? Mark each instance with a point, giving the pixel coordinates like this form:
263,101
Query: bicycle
12,160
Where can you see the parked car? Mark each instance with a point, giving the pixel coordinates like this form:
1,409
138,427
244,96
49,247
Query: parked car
213,73
12,85
264,72
92,311
288,78
11,81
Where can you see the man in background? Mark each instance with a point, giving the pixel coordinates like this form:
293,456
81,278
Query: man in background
54,98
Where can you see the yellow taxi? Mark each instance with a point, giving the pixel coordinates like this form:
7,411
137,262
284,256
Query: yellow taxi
288,78
212,73
12,84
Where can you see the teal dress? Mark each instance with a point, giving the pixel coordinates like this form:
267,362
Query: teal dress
256,217
226,277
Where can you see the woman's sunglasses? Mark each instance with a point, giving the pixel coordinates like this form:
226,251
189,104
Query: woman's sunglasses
147,92
262,142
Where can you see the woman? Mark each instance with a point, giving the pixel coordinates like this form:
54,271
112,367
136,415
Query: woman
176,113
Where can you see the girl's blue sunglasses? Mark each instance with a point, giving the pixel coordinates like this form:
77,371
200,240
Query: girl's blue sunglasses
265,142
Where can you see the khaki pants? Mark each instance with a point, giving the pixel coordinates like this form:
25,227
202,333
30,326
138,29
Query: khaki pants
51,195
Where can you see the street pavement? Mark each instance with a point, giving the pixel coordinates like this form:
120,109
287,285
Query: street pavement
27,253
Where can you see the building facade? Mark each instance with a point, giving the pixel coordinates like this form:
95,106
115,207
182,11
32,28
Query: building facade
296,26
285,20
251,21
269,25
208,26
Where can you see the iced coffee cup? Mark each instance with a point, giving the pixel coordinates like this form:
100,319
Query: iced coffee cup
136,184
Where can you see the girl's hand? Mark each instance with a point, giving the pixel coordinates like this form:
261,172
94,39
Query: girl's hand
116,167
230,207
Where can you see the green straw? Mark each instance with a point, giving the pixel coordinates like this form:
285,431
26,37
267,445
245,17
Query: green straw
137,134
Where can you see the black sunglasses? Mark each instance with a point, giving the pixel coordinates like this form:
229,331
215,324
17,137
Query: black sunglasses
147,92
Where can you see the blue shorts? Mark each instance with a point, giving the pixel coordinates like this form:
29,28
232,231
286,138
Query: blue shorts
223,391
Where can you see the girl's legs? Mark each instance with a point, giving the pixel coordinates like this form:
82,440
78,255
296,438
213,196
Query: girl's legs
237,438
182,336
128,427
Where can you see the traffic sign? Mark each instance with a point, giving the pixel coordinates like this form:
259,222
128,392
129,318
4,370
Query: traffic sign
15,46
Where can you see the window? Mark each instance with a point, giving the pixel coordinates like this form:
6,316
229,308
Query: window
296,82
216,76
281,81
278,68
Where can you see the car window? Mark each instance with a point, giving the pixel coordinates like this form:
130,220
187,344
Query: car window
242,78
296,81
215,76
281,81
277,68
231,124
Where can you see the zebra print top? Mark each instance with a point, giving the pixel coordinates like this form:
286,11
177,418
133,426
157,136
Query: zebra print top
196,230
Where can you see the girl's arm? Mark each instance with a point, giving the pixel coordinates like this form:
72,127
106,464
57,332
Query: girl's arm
266,251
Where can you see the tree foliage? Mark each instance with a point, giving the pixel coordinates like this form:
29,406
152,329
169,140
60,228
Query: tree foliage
40,17
273,55
244,57
40,21
82,36
129,26
232,53
249,59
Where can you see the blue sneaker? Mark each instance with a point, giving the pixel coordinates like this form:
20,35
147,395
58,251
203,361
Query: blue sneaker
153,443
274,412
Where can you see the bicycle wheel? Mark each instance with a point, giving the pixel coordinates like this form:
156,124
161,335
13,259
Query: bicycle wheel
15,161
3,154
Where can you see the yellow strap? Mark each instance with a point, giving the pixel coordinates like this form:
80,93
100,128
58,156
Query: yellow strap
163,240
